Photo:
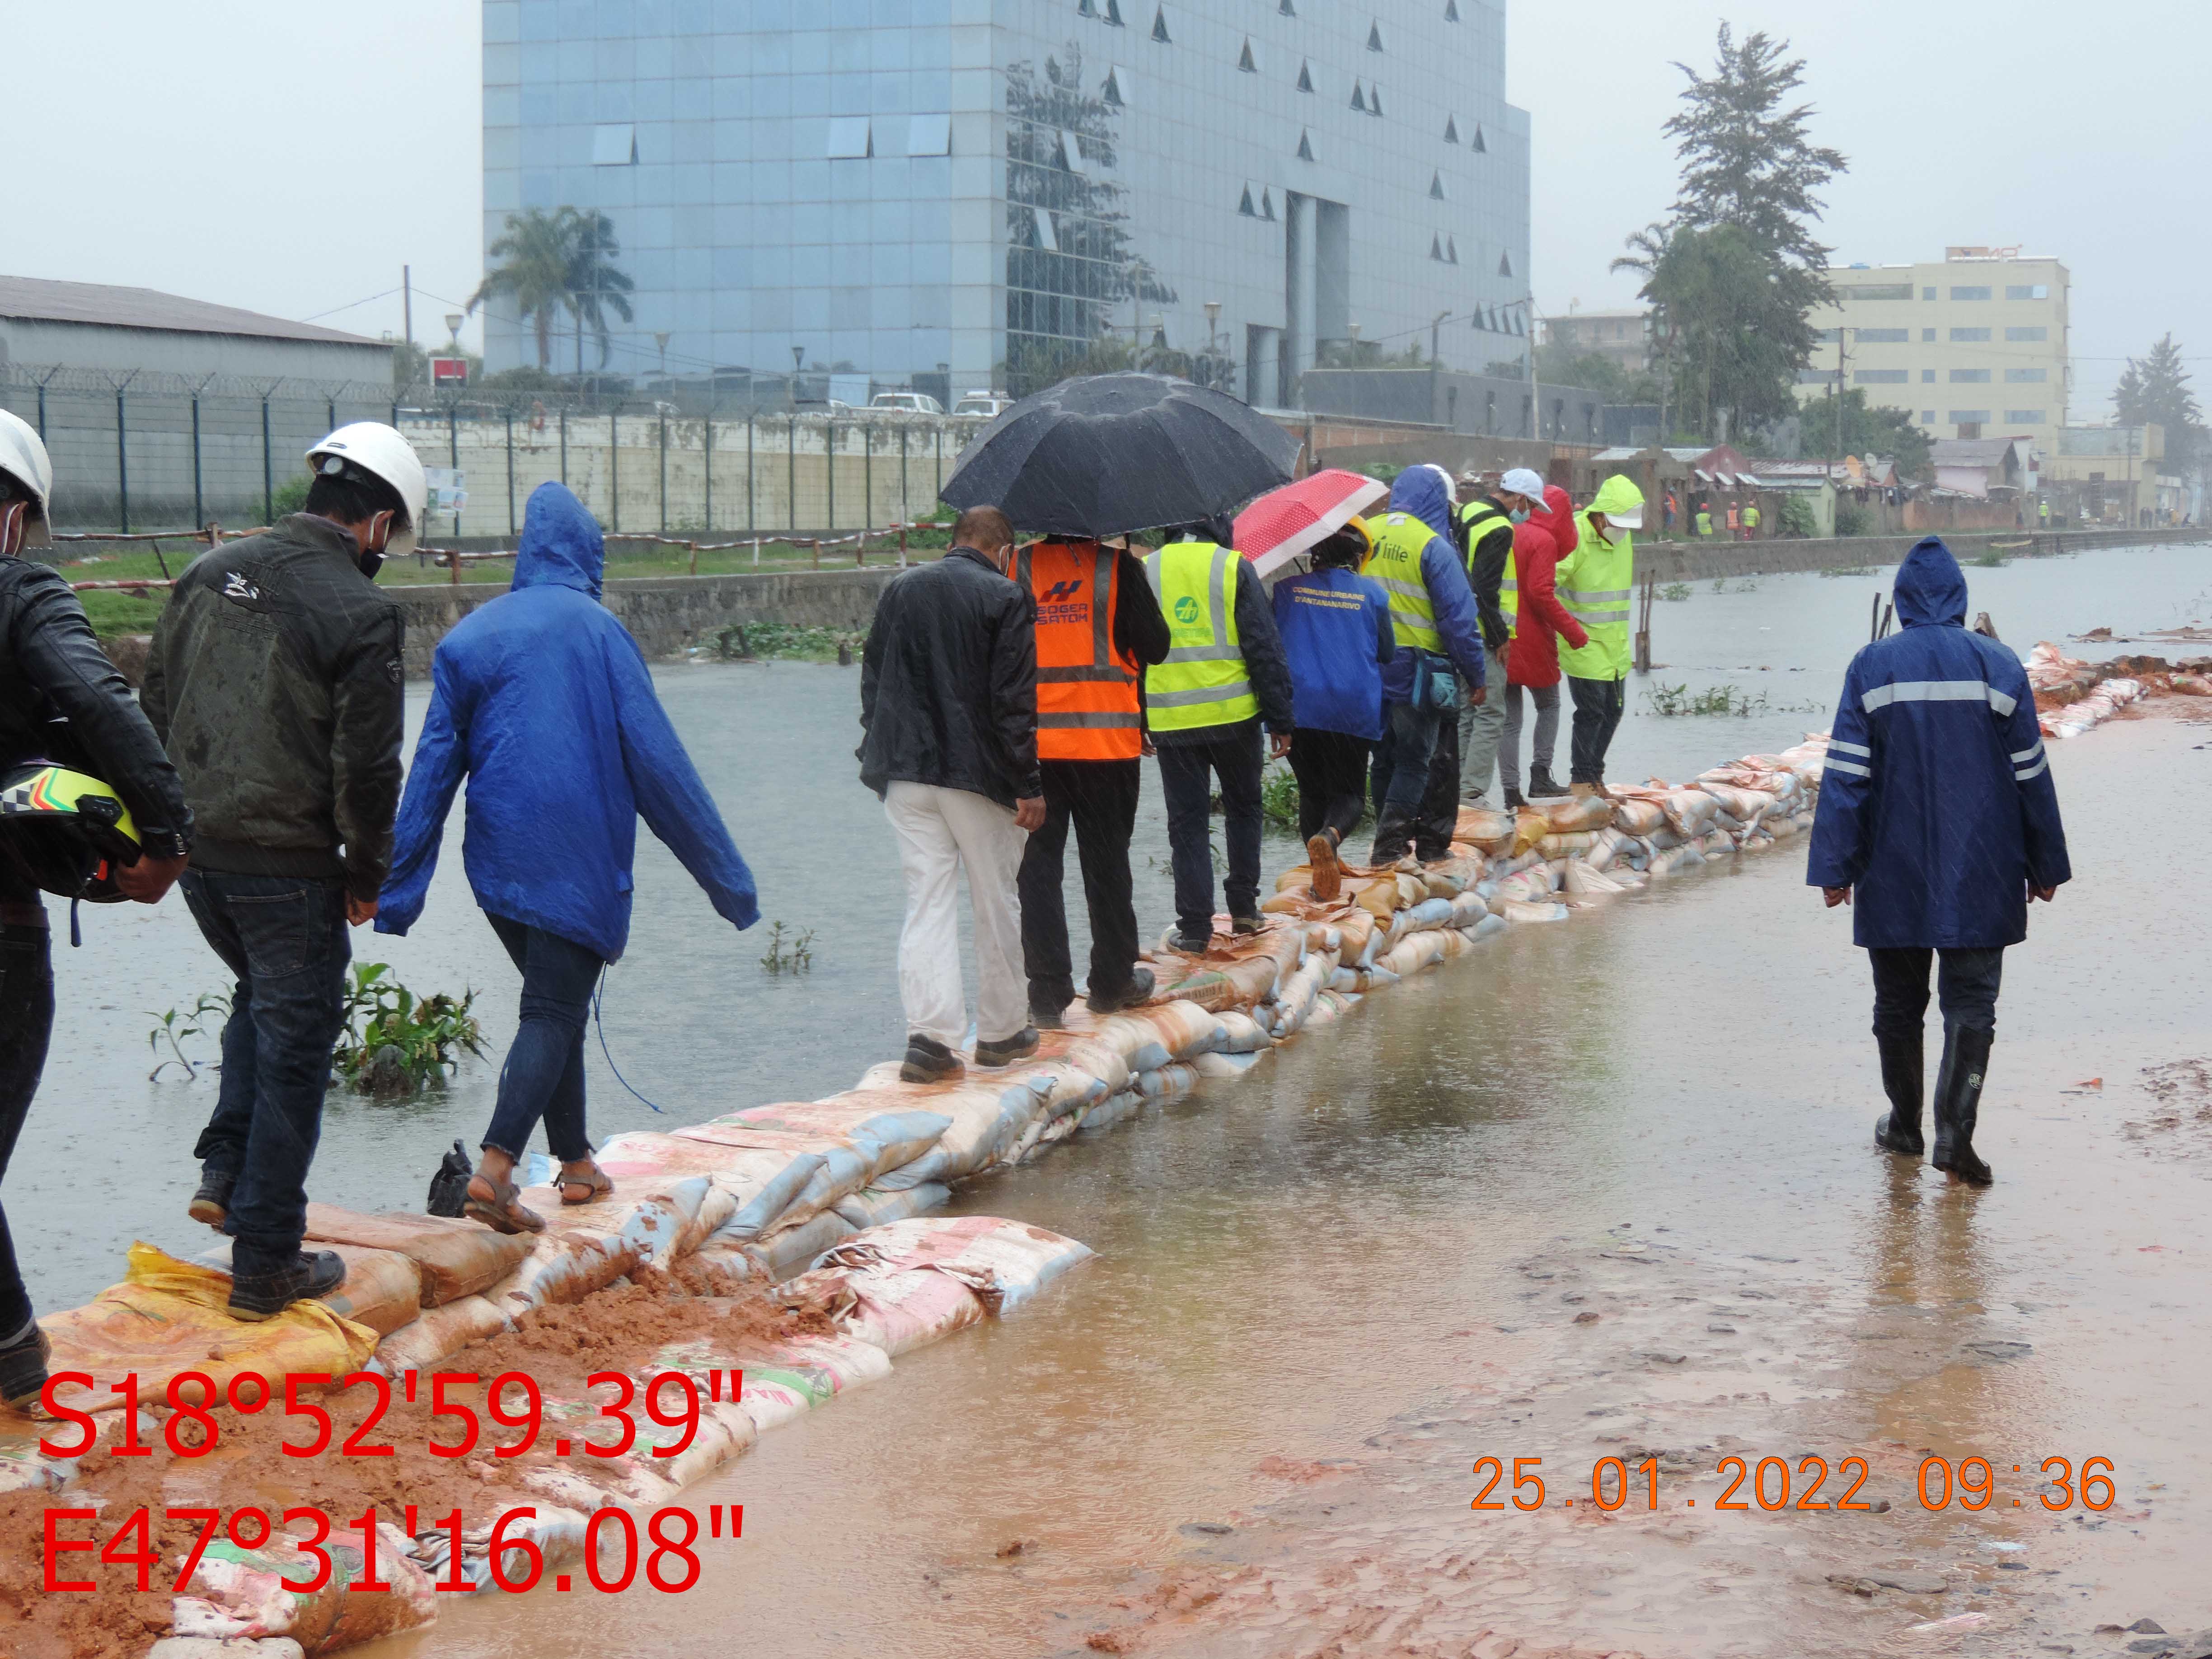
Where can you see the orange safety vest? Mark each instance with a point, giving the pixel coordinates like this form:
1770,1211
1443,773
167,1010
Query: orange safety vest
1087,708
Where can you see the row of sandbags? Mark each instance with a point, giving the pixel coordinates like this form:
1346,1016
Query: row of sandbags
2073,696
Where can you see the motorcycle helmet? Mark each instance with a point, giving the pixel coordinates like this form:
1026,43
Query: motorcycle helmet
65,830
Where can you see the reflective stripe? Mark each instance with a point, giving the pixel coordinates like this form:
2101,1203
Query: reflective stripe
1861,749
1857,771
2034,771
1090,720
1597,595
1938,691
1509,586
1409,590
1586,617
1084,676
2029,753
1203,694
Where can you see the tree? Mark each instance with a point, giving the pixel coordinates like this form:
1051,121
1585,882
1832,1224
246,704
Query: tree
2155,389
1868,429
533,253
1731,336
595,286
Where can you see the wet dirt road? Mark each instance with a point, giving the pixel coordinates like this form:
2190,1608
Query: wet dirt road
1323,1295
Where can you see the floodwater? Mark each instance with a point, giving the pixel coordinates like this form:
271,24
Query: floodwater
1325,1292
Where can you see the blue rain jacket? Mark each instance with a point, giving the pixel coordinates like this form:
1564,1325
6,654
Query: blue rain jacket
542,700
1337,634
1420,490
1936,803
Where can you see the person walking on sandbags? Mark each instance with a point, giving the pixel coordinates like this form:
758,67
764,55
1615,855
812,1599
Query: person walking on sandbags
274,681
1223,677
543,701
1532,605
949,706
1938,815
1595,582
1097,627
1335,625
1432,612
64,711
1487,525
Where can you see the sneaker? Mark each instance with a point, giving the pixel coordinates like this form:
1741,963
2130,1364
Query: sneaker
1245,925
1006,1050
1193,945
23,1367
211,1205
310,1273
1138,992
1541,784
928,1060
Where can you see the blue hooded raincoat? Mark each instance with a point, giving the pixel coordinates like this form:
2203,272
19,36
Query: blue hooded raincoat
542,700
1424,492
1936,803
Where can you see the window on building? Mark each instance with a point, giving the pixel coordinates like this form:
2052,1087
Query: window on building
2027,417
1849,291
1114,12
1969,417
1451,11
614,145
1306,76
1969,291
1437,187
1926,293
1375,100
2027,376
1884,335
2038,333
1828,335
1878,376
1047,234
1928,334
1451,130
1245,208
1118,87
1375,37
1451,251
1267,204
1505,265
850,138
931,135
1358,98
2028,291
1305,145
1968,335
1928,376
1970,377
1436,247
1160,27
1926,417
1244,59
1481,145
1286,8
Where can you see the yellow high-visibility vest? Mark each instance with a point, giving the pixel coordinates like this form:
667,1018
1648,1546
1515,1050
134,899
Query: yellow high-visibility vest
1595,583
1395,561
1204,681
1482,519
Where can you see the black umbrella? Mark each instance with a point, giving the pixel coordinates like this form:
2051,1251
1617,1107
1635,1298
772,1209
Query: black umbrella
1105,454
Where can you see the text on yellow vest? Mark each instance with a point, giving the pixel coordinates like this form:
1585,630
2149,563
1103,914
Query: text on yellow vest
1395,561
1204,681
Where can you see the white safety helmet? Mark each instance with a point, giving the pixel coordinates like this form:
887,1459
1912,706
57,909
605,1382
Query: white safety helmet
23,458
378,449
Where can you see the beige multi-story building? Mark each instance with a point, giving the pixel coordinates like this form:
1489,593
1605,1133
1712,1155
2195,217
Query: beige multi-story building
1974,346
1624,337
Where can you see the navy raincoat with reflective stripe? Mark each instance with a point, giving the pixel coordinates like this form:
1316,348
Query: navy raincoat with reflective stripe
1937,804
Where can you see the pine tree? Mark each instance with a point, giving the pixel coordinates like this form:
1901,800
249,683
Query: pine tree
2155,389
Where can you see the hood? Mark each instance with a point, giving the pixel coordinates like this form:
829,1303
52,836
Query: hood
1557,520
1930,587
561,544
1616,494
1421,490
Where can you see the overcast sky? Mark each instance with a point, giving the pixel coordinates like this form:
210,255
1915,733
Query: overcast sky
290,159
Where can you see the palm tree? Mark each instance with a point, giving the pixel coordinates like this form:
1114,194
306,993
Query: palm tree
594,286
533,272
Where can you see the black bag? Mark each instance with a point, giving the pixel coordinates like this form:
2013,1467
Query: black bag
449,1188
1435,684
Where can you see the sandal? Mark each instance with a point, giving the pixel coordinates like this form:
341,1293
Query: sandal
596,1186
502,1212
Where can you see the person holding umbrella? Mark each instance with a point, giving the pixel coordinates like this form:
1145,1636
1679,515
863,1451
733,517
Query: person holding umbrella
1225,675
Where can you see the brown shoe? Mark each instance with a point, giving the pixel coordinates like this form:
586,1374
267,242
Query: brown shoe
1327,873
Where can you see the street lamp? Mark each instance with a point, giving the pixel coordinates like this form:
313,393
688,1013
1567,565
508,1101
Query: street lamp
1213,317
661,340
1436,324
454,328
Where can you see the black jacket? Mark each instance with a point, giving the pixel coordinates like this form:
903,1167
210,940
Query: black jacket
1486,574
948,682
53,671
274,681
1265,665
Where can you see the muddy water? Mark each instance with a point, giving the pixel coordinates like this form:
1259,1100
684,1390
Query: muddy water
1324,1293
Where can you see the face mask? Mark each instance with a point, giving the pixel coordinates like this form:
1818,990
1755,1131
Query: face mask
1519,515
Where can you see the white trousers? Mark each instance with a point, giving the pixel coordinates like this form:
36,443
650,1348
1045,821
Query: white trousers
940,831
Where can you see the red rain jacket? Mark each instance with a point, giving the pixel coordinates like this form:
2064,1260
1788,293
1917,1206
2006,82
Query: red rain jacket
1533,657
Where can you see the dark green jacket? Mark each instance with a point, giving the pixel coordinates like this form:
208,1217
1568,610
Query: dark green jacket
274,681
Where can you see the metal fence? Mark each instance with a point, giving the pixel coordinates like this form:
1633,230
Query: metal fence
144,451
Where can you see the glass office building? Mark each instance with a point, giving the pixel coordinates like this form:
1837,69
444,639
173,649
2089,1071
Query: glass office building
958,194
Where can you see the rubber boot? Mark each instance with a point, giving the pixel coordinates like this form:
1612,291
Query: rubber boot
1394,833
1958,1102
1904,1068
1321,854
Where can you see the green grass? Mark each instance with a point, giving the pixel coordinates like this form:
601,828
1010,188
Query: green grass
782,642
1675,591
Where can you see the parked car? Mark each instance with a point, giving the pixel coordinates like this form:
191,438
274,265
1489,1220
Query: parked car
989,404
906,403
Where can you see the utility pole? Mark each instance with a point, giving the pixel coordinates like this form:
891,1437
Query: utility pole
407,310
1535,391
1840,332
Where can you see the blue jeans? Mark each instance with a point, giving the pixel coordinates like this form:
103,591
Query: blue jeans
1416,782
284,937
26,1021
1186,771
543,1077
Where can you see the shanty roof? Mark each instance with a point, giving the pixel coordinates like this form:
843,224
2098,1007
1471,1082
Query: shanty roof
34,299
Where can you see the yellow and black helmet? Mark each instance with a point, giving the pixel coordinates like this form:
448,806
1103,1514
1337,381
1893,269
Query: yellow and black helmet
66,831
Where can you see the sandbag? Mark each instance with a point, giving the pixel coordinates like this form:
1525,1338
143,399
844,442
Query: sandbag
1718,843
894,1309
1355,935
1486,929
1377,895
1184,1029
436,1334
236,1594
1530,826
383,1289
1415,952
1567,845
886,1128
871,1206
1572,813
1169,1082
762,1198
453,1258
1583,881
1479,827
1135,1040
1218,1064
1688,812
168,1316
1469,907
1242,1034
790,1250
1526,912
558,1534
1430,913
1355,980
1637,816
1747,806
1004,1262
1109,1112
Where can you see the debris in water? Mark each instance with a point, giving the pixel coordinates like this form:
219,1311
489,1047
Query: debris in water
1957,1621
